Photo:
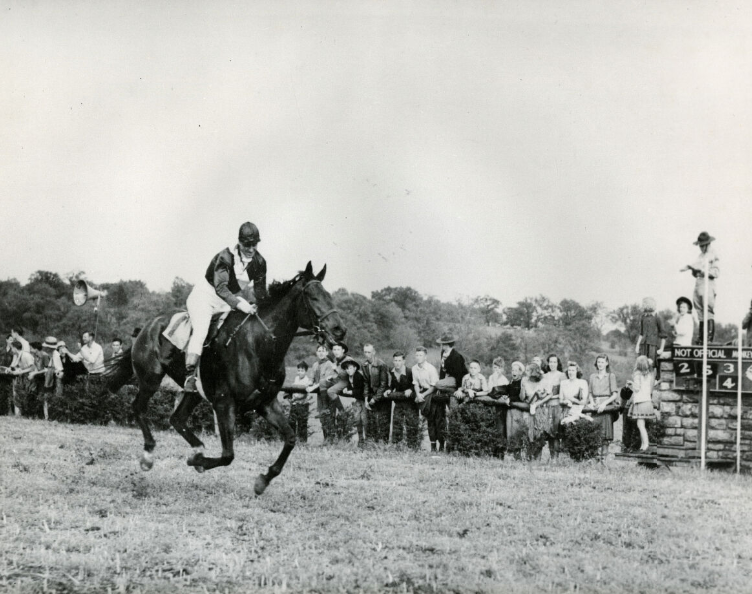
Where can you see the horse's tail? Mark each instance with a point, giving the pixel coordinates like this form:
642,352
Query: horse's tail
118,370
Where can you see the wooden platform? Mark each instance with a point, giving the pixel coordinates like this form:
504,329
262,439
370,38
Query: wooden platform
653,459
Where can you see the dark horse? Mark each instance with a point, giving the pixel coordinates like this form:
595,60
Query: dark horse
242,369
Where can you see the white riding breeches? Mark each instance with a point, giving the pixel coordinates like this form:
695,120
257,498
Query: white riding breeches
202,304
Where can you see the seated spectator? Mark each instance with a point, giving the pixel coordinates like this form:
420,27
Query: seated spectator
405,419
91,354
355,389
473,383
573,394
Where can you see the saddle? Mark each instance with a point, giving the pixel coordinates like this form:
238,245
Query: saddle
179,330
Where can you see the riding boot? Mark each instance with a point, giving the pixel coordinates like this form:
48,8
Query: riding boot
191,362
711,331
433,446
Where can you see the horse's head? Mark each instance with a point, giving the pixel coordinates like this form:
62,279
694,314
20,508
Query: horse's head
318,313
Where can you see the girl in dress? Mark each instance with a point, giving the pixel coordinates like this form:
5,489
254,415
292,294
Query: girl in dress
573,394
684,323
642,403
551,404
534,389
603,393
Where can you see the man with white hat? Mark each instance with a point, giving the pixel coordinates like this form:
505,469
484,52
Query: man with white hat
709,257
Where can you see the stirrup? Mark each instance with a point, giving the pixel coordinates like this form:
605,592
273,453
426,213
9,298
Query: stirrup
190,384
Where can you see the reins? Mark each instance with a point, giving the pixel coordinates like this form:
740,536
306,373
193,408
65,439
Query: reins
316,329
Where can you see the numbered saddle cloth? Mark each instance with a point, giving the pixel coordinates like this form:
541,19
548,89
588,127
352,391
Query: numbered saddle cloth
179,330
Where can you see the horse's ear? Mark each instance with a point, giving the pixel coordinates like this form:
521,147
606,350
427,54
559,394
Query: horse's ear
320,276
308,269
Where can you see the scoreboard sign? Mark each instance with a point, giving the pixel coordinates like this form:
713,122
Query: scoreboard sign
722,368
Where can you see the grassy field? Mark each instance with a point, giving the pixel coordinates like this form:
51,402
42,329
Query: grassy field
78,516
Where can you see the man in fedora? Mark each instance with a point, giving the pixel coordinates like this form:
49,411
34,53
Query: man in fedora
452,370
710,258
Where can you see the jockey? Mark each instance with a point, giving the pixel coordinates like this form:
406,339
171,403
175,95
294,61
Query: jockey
230,272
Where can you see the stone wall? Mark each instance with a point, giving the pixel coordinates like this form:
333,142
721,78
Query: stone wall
680,412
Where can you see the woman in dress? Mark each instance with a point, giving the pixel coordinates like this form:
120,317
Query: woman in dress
642,402
603,394
550,404
684,323
518,416
534,389
573,393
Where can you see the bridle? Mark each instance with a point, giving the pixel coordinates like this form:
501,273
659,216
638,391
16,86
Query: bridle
314,318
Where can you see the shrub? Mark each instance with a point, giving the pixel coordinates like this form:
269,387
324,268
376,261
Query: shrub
582,439
339,427
473,430
631,435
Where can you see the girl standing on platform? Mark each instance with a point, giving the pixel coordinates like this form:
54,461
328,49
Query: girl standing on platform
684,323
642,402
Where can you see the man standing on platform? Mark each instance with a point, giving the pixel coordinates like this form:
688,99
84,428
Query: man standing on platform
709,257
376,374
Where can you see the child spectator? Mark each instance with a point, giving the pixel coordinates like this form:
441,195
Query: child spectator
405,419
299,406
355,389
651,333
684,323
641,408
472,383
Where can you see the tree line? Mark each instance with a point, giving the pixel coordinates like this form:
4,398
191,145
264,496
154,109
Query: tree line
398,318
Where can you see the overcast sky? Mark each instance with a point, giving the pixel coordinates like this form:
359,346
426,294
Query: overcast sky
571,149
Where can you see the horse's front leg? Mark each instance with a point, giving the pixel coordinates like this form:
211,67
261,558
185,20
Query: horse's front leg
224,406
274,414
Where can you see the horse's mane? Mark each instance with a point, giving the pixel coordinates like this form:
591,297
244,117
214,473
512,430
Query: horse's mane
279,289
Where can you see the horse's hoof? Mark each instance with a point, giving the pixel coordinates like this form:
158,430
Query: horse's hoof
195,461
260,485
147,461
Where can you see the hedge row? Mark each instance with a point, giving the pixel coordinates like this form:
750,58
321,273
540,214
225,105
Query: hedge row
85,401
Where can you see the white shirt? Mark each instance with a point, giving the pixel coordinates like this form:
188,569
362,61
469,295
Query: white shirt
240,266
92,356
685,328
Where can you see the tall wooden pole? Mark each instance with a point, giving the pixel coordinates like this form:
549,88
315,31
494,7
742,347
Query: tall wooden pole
704,404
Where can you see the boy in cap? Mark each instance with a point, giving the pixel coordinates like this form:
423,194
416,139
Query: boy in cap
651,332
299,406
710,258
230,272
355,389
